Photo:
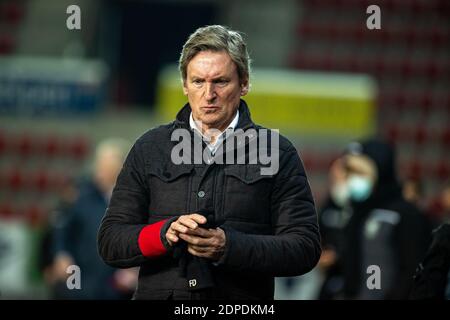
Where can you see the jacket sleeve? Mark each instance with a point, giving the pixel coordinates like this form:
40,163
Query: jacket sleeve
124,227
294,247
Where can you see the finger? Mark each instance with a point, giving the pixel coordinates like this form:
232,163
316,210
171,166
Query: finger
178,227
188,222
172,237
200,249
198,241
198,218
170,230
197,253
201,232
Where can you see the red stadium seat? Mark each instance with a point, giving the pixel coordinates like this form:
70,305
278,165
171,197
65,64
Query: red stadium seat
41,181
400,100
51,146
393,134
435,208
438,37
420,135
11,12
406,68
6,210
34,214
59,180
442,170
379,65
24,145
414,169
445,137
6,44
78,147
15,179
426,102
3,142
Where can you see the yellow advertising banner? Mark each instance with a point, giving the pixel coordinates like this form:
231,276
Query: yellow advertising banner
307,103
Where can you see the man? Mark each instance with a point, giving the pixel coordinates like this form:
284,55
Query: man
262,225
384,230
75,231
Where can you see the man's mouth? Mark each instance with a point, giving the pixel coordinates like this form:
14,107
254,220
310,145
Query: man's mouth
210,108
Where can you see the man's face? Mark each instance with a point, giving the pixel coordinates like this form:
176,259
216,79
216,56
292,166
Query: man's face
107,167
361,165
213,89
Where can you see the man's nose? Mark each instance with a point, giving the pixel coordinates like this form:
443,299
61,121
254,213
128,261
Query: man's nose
210,91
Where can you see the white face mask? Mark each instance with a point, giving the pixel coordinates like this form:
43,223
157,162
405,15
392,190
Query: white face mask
359,187
340,194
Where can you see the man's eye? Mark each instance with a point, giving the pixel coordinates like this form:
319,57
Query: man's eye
197,82
222,82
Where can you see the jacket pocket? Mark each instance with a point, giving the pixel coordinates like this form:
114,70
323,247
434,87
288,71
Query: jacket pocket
247,194
169,188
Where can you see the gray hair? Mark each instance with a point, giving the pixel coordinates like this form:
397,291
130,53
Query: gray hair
216,38
118,146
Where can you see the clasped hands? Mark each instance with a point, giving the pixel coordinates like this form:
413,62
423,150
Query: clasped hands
201,242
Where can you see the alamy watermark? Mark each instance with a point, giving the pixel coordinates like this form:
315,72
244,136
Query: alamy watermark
74,280
373,282
73,21
241,147
374,20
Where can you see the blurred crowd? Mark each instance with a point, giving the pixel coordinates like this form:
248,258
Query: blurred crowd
370,218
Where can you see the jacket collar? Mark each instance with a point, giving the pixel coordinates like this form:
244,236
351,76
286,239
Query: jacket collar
245,121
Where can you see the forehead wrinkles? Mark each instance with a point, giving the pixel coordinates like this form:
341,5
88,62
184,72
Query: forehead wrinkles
211,66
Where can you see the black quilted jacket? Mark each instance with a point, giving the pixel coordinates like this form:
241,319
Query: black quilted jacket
270,221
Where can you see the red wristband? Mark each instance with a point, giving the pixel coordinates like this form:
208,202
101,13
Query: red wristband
150,240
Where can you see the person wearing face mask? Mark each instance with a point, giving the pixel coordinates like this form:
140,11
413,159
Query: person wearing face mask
351,179
384,230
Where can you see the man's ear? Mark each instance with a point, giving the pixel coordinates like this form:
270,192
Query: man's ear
185,90
244,88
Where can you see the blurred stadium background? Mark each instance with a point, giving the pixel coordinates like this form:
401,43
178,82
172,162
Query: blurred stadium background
319,75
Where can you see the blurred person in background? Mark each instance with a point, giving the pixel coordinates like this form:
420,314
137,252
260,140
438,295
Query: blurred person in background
366,221
75,232
432,278
445,200
413,192
333,218
67,195
384,230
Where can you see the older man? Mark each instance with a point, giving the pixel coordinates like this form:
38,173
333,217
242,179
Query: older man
211,229
75,231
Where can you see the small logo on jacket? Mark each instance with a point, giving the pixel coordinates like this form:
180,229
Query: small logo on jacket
192,283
